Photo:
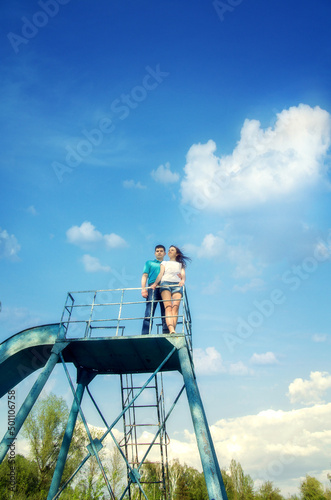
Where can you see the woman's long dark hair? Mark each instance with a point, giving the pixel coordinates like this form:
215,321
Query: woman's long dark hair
180,257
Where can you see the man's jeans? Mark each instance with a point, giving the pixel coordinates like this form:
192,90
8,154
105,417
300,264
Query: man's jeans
149,313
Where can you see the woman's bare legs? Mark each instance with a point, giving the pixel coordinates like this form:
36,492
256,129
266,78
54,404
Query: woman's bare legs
166,297
176,297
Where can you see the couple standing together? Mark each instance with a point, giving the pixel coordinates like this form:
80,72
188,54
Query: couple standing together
170,276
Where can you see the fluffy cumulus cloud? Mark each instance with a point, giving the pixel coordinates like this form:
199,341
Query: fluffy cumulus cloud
265,165
86,235
9,246
309,391
93,265
164,175
208,361
239,368
267,358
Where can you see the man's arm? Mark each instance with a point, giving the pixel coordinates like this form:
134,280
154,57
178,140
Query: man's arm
144,292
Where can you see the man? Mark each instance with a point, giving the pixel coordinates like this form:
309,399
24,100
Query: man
150,273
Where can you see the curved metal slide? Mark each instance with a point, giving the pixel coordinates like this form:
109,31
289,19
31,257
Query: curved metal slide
25,352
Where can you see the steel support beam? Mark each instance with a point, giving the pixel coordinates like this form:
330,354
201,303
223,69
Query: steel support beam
84,378
211,469
31,398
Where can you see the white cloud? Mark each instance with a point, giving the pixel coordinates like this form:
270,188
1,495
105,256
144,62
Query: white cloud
164,175
211,246
309,391
114,241
267,358
265,165
208,361
320,337
238,368
9,246
131,184
86,235
93,265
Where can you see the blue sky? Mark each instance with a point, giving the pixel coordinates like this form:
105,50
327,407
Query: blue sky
127,124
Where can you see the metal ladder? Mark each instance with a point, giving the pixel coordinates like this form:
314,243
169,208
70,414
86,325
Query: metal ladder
145,417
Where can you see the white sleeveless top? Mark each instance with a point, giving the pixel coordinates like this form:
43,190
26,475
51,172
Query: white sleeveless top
172,268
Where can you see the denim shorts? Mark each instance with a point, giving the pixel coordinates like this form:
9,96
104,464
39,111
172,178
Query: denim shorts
165,285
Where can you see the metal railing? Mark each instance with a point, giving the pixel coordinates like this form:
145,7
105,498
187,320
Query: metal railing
117,312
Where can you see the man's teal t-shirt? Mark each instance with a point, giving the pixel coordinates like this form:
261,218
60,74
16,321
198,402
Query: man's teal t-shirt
152,268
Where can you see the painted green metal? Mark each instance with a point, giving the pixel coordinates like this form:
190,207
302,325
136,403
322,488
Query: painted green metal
212,472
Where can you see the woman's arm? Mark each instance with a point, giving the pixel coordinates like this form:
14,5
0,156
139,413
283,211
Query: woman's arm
183,276
158,279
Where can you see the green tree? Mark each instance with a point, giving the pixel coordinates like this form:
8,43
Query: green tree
151,480
117,470
268,492
242,487
44,428
311,489
175,471
186,483
24,481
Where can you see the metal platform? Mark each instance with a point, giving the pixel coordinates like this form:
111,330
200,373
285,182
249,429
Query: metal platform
29,350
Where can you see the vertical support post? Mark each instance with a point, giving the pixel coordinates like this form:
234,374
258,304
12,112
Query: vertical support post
211,469
84,378
120,312
31,398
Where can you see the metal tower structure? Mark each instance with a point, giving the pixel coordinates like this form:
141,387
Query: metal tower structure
99,334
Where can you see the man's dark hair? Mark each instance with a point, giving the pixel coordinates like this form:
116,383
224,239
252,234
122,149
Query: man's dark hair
160,246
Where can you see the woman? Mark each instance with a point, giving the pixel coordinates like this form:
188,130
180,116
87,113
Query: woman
172,278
